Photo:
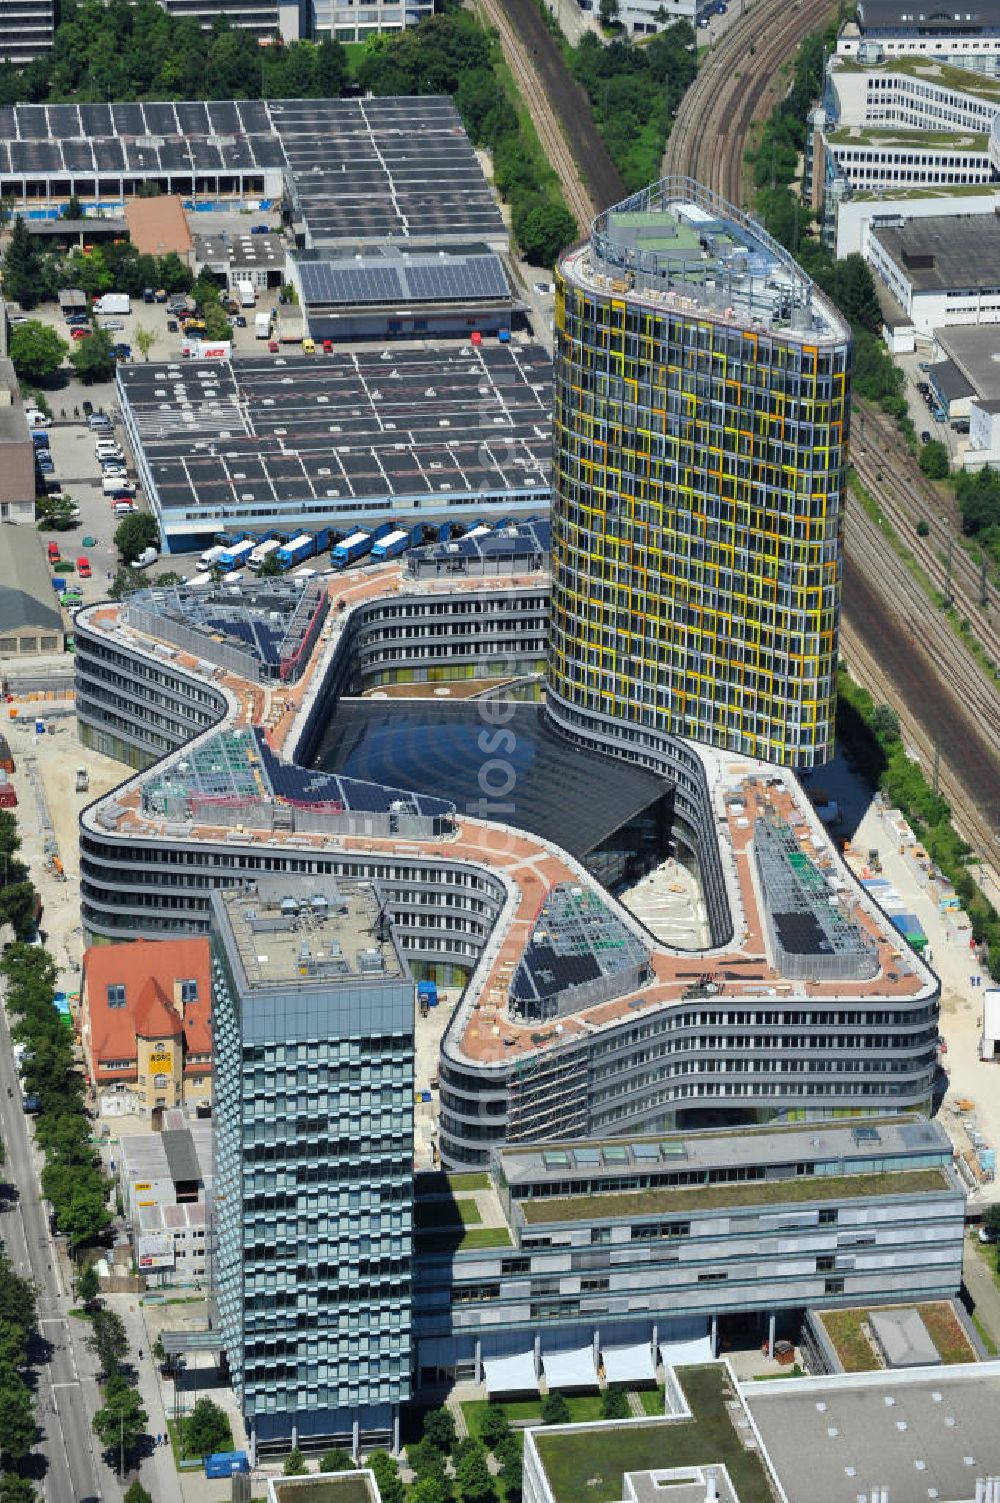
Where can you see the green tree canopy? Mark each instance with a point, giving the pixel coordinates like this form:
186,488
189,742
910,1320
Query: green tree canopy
336,1460
555,1410
17,1418
136,1493
614,1404
135,533
295,1463
88,1285
473,1477
109,1341
22,267
16,1489
122,1420
93,358
934,460
37,351
543,231
439,1429
206,1430
494,1426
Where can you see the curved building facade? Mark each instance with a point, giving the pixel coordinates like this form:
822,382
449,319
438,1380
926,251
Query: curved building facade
701,412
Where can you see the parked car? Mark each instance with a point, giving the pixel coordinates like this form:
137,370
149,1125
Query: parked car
240,321
122,351
173,327
79,333
925,437
260,229
272,345
88,409
83,566
98,420
986,1235
53,553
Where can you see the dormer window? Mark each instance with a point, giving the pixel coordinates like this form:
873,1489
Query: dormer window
116,996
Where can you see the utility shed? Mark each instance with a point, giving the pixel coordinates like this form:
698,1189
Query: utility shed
30,620
903,1339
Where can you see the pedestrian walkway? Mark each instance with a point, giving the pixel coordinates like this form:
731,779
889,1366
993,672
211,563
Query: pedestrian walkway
157,1471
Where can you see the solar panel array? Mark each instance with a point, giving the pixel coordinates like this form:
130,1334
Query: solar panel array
371,169
343,440
372,280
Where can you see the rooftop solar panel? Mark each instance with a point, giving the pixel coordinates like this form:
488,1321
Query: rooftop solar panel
32,122
192,118
8,122
223,117
64,121
78,155
161,119
96,120
128,119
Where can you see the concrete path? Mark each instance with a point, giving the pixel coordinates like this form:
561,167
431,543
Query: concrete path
981,1286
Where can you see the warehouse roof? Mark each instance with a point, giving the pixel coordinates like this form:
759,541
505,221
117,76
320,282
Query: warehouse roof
29,602
359,169
400,424
972,350
255,252
944,252
402,277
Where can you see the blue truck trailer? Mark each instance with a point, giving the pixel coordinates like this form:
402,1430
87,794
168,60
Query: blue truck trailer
350,549
226,1463
393,544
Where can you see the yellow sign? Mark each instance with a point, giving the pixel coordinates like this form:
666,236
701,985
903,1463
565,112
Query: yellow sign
146,1202
139,1188
162,1060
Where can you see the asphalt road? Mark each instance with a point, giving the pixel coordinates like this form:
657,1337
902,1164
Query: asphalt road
67,1392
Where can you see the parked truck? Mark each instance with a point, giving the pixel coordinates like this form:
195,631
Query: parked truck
248,298
235,557
350,549
262,325
113,302
291,325
262,553
301,547
146,557
210,556
390,546
207,349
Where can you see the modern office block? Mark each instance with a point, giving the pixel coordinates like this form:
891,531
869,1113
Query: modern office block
614,1252
701,410
26,28
313,1020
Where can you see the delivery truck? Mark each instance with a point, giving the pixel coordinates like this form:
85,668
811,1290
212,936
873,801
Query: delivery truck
247,296
113,302
235,557
262,325
299,548
210,556
350,549
262,553
390,546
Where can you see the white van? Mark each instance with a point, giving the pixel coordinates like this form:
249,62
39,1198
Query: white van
123,508
114,485
109,446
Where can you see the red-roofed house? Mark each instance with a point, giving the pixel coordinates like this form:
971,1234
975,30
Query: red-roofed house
146,1021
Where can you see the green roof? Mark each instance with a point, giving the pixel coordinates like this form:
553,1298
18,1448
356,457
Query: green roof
930,70
909,140
588,1465
815,1187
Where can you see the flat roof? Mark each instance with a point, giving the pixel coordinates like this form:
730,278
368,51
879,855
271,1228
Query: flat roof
573,796
400,425
359,281
972,350
925,1436
900,15
928,69
677,243
381,168
181,1152
895,138
310,931
255,252
773,1145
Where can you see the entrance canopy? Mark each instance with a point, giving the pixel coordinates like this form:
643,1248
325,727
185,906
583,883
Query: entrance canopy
684,1353
571,1369
514,1374
629,1364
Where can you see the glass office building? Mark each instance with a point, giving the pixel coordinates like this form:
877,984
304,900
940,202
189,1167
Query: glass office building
313,1016
701,412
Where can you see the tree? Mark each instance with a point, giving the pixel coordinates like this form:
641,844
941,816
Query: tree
17,908
270,567
495,1426
73,208
37,351
126,582
206,1430
934,460
386,1470
439,1425
543,231
511,1467
885,723
428,1490
609,13
336,1460
17,1418
426,1460
991,1221
135,533
15,1489
109,1341
923,528
88,1285
172,275
144,340
136,1493
473,1477
295,1463
854,291
94,359
122,1420
614,1404
555,1410
22,267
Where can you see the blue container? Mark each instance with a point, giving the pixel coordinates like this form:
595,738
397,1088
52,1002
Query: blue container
226,1463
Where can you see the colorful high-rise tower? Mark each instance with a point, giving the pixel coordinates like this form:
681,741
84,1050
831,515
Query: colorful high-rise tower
701,413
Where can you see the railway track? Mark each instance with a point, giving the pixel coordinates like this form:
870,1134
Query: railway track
739,83
559,109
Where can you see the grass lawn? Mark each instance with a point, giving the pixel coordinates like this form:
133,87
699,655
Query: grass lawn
984,1336
582,1408
652,1401
330,1490
747,1193
435,1213
455,1238
475,1179
591,1466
